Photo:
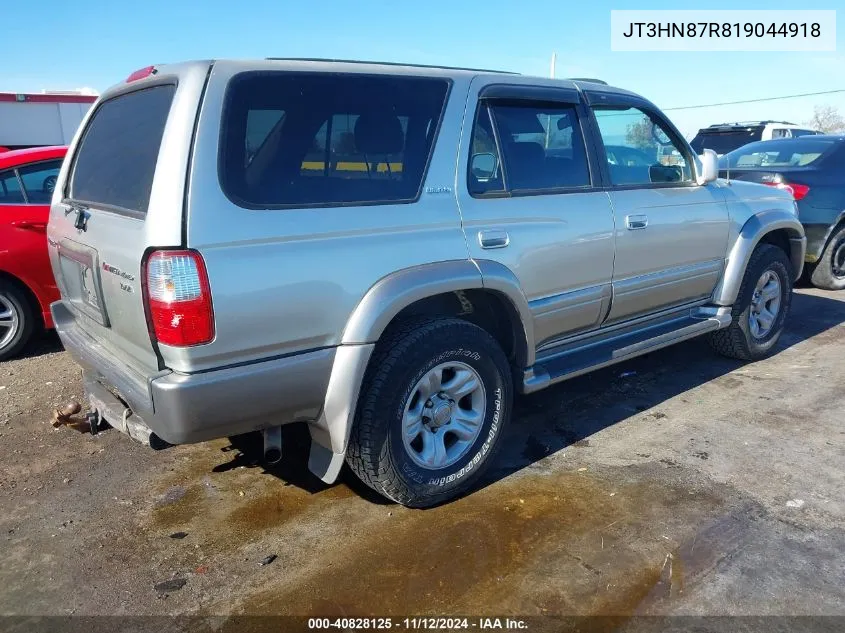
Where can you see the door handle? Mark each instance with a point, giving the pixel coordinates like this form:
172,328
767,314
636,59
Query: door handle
27,225
634,222
493,238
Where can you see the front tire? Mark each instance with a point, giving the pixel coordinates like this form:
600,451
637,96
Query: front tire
761,307
432,410
17,320
829,273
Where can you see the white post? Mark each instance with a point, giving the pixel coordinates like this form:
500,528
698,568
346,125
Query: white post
552,67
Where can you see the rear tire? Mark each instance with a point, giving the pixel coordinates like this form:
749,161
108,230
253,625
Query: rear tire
17,320
433,406
829,273
761,307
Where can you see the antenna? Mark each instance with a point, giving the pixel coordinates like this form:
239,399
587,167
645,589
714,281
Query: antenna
552,66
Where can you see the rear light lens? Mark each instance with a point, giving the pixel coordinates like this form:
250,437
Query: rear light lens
179,298
797,191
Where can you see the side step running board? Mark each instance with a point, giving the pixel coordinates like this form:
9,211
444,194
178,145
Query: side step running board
569,363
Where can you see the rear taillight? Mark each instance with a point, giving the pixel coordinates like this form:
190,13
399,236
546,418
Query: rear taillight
797,191
178,298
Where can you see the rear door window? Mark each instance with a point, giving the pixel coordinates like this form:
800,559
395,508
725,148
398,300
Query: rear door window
332,139
541,146
10,188
39,181
116,160
724,141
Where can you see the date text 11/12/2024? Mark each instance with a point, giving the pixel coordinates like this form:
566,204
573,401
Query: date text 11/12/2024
417,623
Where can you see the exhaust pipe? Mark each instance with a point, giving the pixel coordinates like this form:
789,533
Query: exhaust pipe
272,445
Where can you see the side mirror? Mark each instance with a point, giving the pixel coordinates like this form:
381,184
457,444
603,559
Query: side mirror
709,167
484,166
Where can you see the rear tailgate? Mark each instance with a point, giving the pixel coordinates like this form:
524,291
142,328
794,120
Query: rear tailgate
119,195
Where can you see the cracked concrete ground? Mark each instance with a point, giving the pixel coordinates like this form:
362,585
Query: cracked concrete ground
677,483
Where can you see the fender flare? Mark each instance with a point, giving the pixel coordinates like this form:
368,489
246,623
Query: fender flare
751,233
381,303
392,294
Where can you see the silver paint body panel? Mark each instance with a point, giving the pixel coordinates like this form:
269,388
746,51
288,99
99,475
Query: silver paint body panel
313,289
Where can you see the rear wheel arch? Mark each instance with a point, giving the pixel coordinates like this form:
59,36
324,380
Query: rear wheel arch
835,227
444,290
491,310
485,293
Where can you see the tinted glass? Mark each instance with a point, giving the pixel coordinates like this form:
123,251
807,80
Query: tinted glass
259,124
542,146
116,160
726,141
785,153
640,148
336,139
10,189
39,181
482,181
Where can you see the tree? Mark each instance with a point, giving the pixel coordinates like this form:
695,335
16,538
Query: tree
826,118
639,134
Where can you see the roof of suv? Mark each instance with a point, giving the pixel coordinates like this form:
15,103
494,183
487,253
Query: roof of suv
430,70
747,124
375,63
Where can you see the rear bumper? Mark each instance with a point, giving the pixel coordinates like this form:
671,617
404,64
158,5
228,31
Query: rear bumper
185,408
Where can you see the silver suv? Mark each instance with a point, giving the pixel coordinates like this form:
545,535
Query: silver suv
388,253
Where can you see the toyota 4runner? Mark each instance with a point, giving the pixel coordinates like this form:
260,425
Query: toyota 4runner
388,253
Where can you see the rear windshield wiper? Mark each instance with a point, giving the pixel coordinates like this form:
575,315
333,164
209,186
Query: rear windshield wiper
80,224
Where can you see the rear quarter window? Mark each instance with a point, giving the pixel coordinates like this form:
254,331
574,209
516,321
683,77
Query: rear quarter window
116,160
325,139
724,141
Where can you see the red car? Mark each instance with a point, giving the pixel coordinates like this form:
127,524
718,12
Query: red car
27,287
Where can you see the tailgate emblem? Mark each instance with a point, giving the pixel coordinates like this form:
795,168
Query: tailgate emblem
114,270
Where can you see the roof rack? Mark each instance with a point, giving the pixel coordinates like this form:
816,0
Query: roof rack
588,79
749,123
377,63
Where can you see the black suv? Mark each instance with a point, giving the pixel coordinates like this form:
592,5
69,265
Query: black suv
726,137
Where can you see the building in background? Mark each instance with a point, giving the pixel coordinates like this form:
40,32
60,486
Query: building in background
45,118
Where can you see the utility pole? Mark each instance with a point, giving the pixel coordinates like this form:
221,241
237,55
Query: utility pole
549,118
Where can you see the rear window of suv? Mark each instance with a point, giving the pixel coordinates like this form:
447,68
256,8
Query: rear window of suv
116,160
724,141
326,139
